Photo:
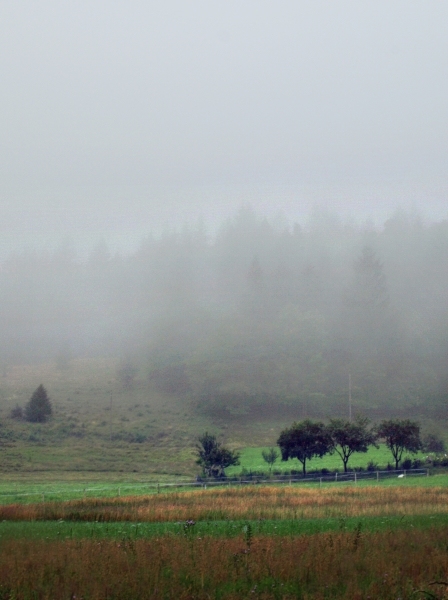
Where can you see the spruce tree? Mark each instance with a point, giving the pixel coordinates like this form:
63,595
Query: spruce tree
38,409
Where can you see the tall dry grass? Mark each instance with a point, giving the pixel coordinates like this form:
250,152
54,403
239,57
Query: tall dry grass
243,503
337,566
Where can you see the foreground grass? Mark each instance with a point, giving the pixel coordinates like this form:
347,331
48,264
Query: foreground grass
281,542
251,503
351,565
124,530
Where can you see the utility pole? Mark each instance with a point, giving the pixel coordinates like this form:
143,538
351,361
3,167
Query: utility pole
349,397
110,418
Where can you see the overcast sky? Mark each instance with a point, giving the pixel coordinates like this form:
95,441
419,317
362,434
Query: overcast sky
117,118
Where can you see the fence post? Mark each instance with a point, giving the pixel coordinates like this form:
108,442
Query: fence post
377,476
355,477
43,497
158,487
427,472
118,491
320,482
336,476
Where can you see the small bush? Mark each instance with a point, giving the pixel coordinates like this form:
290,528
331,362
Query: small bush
372,466
440,461
16,413
433,443
407,463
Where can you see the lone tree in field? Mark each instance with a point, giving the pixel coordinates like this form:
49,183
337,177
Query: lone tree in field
270,457
214,457
305,440
349,437
38,409
400,436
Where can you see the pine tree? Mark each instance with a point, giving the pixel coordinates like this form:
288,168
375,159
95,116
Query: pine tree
38,409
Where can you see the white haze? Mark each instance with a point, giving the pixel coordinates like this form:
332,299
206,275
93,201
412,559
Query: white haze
119,118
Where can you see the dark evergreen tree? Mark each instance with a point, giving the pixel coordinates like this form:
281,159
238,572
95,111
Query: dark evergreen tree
38,409
369,286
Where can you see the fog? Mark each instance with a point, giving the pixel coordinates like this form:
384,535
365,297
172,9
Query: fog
243,202
261,316
118,119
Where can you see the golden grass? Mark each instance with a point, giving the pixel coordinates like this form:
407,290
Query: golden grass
337,566
252,502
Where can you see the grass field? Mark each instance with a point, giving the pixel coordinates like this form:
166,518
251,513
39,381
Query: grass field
336,542
127,530
252,460
244,503
101,430
82,518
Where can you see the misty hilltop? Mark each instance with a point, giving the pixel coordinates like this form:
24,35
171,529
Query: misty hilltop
259,317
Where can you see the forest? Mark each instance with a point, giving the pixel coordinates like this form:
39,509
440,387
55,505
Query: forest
257,318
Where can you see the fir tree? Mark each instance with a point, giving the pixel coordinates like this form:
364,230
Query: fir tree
38,409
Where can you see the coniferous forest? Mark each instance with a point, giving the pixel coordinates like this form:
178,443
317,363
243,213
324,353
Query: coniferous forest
259,317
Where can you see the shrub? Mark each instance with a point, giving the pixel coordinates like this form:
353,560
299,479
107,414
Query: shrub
407,463
372,466
16,413
433,443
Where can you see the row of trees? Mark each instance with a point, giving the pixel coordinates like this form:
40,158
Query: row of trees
308,439
260,316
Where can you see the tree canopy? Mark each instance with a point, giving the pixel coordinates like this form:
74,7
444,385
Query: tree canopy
305,440
349,437
213,457
400,435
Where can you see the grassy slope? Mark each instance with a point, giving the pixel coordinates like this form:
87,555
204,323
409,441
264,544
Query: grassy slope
95,417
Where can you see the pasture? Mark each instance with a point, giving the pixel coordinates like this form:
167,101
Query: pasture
339,541
81,516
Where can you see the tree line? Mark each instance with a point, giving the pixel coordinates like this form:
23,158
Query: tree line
260,316
308,439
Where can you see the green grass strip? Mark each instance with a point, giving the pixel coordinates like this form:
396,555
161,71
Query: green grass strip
54,530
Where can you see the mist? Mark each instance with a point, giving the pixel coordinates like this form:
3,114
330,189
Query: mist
121,119
261,316
242,203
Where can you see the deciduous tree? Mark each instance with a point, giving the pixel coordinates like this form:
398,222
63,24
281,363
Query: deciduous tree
270,457
400,435
214,457
305,440
349,437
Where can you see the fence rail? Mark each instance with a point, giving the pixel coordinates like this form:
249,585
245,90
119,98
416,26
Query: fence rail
156,487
